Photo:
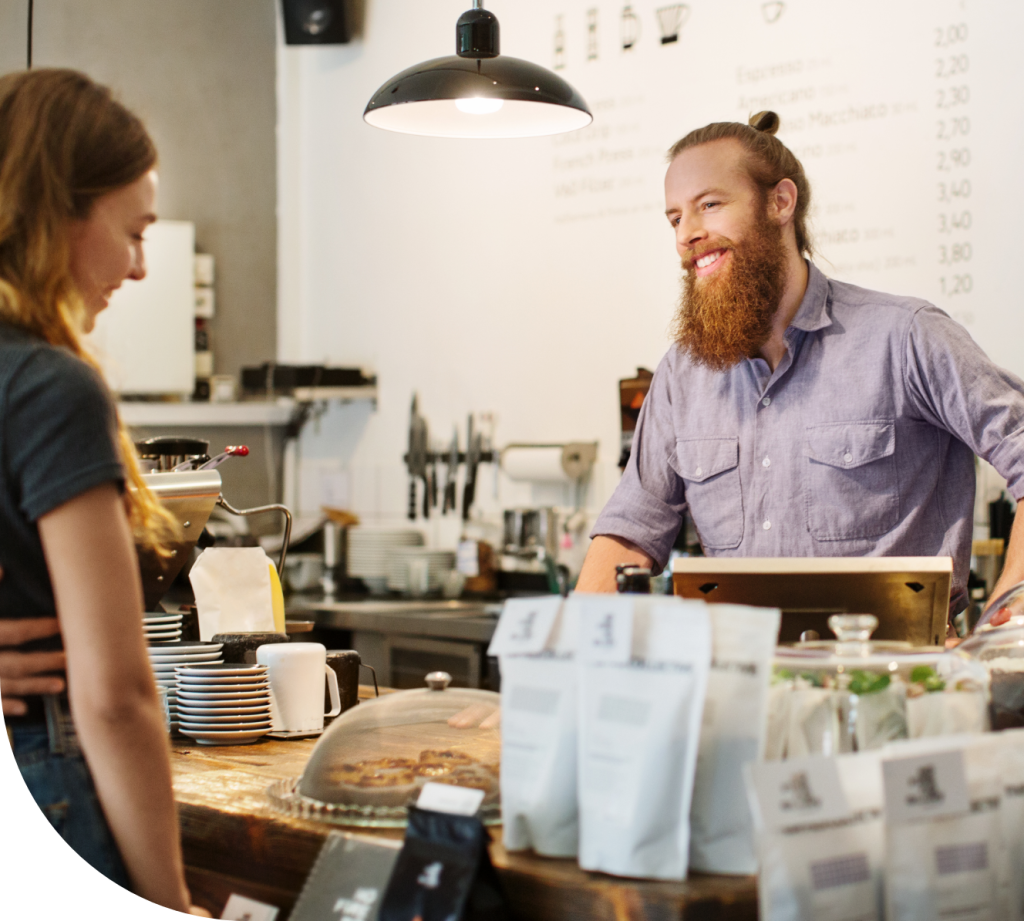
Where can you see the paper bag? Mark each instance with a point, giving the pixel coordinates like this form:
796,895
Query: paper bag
233,591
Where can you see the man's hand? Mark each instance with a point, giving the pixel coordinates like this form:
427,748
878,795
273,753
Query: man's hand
1013,572
24,673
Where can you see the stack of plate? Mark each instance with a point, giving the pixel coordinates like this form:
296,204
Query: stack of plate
162,628
225,704
370,551
166,658
438,562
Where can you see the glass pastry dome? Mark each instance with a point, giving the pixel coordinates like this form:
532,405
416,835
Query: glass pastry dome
373,761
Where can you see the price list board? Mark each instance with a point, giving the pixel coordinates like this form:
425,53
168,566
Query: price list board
905,114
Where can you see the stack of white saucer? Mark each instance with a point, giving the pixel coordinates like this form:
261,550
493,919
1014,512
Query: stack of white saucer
166,658
223,704
161,628
370,551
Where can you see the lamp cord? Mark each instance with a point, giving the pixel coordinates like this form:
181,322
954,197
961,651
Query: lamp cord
28,55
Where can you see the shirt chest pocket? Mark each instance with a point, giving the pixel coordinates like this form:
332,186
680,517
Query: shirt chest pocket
710,471
851,488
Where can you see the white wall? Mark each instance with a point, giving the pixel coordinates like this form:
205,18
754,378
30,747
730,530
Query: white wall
525,277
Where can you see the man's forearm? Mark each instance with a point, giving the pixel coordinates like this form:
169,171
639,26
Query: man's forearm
605,553
1013,562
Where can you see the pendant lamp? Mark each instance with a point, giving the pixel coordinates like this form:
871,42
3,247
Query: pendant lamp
477,93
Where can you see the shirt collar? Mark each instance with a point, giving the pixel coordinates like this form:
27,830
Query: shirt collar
813,313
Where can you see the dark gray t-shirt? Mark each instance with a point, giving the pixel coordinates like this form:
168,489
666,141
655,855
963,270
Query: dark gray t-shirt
58,439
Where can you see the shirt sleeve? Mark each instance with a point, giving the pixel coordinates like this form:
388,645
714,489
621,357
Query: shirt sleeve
60,430
956,386
647,505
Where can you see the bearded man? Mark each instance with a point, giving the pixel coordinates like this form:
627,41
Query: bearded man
796,415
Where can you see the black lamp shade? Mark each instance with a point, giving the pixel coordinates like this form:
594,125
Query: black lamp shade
505,98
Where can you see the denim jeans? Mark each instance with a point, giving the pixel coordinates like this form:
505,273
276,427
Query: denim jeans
63,789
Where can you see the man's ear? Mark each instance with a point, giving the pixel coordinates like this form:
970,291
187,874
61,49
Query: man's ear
782,201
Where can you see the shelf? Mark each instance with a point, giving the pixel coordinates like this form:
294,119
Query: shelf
261,413
249,412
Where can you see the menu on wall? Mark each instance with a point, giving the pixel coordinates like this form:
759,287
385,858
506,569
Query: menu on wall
903,114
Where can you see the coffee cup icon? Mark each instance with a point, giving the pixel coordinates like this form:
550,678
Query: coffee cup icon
772,11
670,20
630,26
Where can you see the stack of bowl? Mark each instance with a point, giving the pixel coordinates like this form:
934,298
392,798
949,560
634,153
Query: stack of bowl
370,551
223,704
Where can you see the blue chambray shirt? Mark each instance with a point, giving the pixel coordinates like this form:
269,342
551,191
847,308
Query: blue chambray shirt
860,443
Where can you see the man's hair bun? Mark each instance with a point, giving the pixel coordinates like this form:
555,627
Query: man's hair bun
768,122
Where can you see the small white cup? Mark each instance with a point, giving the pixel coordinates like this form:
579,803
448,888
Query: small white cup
296,672
419,577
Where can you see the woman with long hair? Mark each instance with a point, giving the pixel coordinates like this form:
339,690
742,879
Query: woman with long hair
77,190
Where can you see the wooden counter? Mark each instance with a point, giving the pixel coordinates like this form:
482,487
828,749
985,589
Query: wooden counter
235,842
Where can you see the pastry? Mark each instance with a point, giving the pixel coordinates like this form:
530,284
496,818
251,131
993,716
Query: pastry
398,781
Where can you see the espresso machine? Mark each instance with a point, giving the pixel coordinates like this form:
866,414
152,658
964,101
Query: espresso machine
183,476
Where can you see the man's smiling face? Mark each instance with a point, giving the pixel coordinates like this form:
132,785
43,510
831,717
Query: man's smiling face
712,204
732,250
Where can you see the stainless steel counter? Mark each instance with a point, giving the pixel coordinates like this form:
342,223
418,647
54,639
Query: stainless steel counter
473,621
404,639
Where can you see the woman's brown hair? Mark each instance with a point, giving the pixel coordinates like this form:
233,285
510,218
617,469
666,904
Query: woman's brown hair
64,143
769,161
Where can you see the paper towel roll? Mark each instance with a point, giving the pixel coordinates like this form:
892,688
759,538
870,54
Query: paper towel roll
537,464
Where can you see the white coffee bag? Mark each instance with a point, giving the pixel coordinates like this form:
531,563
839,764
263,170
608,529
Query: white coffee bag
643,664
820,837
945,855
539,719
732,734
233,591
1006,749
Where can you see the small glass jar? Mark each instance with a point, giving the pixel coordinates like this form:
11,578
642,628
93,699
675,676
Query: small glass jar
855,694
1000,650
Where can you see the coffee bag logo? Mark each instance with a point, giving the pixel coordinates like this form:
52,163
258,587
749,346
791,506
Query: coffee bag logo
358,907
430,878
797,794
924,787
525,628
606,632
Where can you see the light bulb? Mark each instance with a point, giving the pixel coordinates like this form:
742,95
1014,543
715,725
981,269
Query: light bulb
478,105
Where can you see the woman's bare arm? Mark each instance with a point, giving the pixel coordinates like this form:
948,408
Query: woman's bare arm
93,568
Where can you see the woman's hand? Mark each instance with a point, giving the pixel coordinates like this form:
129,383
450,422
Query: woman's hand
24,673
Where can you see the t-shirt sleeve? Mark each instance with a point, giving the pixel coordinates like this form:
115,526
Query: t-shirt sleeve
60,431
647,505
956,386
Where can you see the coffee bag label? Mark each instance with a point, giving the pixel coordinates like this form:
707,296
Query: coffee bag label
525,626
606,629
799,792
925,787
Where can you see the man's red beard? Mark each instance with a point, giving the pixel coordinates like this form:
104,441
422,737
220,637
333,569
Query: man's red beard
727,316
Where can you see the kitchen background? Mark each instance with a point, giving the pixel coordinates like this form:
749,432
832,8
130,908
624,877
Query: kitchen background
522,279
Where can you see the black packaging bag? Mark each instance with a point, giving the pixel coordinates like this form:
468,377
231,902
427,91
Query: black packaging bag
444,872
